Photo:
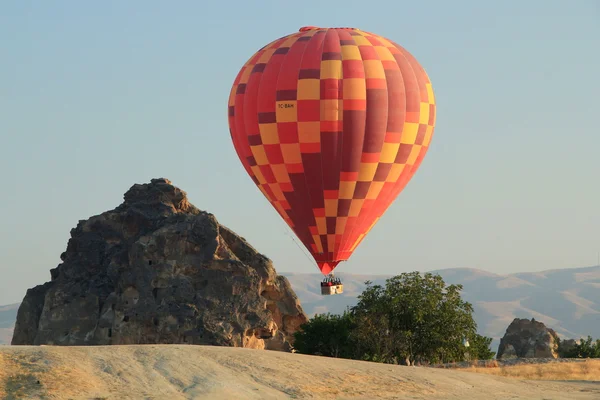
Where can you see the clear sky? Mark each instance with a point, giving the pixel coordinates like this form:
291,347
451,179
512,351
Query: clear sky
97,96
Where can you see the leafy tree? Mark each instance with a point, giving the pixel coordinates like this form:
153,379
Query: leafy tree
586,348
326,335
412,319
479,347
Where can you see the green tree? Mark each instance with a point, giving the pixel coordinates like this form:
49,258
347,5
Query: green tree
326,335
479,347
414,318
586,348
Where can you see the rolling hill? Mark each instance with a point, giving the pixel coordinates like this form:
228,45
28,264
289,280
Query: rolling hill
214,372
567,300
8,316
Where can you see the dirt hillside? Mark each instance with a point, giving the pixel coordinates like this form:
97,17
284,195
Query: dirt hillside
205,372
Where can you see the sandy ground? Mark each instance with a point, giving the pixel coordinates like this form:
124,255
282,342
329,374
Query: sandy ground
203,372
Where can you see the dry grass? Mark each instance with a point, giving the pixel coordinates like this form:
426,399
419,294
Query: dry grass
4,368
587,370
219,373
23,375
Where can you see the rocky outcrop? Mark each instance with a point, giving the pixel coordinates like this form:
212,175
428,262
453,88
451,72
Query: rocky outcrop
528,339
158,270
567,346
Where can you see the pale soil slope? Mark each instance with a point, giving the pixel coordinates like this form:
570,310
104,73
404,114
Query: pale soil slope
202,372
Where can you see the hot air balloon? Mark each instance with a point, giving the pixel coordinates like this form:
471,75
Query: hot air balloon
331,124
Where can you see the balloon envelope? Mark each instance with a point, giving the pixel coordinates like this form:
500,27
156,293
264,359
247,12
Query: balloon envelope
331,124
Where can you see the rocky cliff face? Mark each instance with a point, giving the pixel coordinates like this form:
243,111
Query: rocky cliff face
158,270
528,339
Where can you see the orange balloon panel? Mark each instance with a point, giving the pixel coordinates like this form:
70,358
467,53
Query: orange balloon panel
331,124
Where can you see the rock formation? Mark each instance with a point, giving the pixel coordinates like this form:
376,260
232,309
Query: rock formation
528,339
566,346
158,270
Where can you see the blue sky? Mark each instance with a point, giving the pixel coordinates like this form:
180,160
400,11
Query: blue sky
97,96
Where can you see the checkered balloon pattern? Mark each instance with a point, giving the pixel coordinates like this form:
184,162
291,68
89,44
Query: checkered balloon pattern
331,124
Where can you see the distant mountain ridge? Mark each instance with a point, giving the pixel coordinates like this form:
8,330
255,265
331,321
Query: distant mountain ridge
566,300
8,316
